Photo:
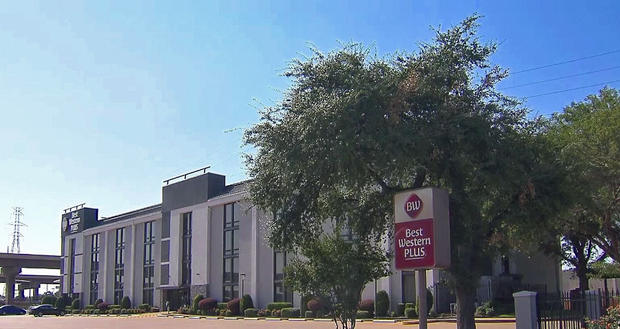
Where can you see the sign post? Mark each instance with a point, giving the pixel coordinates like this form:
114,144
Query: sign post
422,236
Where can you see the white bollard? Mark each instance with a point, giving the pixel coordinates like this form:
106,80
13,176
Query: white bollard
525,310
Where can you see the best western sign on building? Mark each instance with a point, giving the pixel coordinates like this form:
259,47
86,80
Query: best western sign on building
422,229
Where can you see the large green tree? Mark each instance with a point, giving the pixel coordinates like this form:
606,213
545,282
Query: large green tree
586,138
355,128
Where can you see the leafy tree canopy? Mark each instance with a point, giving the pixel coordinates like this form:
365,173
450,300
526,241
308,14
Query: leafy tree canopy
355,128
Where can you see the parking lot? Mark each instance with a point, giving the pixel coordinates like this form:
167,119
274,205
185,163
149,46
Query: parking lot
136,322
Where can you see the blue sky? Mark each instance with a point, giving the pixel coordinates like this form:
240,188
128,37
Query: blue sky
100,102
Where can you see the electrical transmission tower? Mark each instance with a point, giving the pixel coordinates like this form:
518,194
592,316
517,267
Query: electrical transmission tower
17,224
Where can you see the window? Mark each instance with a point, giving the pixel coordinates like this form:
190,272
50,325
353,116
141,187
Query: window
119,265
94,267
148,271
280,292
186,270
231,252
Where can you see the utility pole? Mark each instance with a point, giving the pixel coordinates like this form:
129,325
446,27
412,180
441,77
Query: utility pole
17,224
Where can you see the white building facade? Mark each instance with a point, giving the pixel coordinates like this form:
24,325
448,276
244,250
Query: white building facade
206,238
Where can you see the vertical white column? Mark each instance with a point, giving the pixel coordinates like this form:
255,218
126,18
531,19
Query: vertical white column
207,255
254,255
133,259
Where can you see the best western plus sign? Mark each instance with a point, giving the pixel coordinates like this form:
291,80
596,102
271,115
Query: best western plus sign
422,229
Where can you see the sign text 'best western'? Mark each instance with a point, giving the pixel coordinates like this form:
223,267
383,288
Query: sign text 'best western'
422,229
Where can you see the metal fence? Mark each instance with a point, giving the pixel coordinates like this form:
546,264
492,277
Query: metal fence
570,310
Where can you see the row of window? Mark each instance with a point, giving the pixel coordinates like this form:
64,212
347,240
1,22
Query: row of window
230,260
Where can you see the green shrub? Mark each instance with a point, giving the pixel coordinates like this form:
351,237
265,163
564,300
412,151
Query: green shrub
429,302
233,306
125,302
222,306
63,301
304,303
245,303
197,300
383,303
144,307
75,304
89,307
76,311
308,314
229,313
275,313
114,307
290,312
410,313
267,313
278,305
485,310
48,299
250,312
363,315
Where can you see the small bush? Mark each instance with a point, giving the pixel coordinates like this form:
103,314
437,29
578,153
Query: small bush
267,313
278,305
89,307
309,314
250,312
367,305
429,302
103,306
315,305
229,313
233,306
411,313
75,311
222,312
114,307
383,303
207,304
75,304
246,302
363,315
197,300
125,302
485,310
48,299
222,306
144,307
98,301
290,312
275,313
184,310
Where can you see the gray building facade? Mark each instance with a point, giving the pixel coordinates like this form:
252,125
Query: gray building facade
206,238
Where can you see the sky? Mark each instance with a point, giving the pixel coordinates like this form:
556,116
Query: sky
102,101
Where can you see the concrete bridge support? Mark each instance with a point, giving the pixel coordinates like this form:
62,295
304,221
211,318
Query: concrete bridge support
10,273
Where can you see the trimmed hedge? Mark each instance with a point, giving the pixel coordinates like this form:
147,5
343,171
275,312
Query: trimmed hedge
363,315
48,299
144,307
383,303
246,302
63,301
290,312
233,306
250,312
207,304
126,302
279,305
75,304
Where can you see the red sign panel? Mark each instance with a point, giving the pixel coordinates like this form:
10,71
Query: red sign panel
414,244
413,206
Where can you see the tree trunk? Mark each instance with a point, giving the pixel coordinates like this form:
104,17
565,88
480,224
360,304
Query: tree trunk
582,274
465,309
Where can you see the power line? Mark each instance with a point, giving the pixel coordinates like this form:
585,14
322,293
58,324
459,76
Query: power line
566,62
571,89
562,77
